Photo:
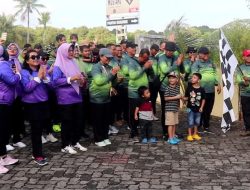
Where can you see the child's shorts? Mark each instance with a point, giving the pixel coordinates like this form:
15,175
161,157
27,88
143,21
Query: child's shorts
194,119
171,118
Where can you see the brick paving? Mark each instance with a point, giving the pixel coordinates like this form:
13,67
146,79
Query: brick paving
217,162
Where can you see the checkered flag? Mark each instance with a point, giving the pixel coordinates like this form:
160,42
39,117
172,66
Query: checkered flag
228,66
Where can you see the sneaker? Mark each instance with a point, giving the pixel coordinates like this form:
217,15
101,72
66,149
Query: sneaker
100,144
68,149
80,147
107,142
153,140
3,170
177,140
190,138
19,144
172,141
50,137
56,128
196,137
9,147
41,161
43,140
8,160
155,118
144,141
113,129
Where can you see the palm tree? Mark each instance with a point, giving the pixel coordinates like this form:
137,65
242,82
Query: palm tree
43,20
6,23
25,7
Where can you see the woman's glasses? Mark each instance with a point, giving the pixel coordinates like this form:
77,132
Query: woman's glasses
33,57
45,58
12,48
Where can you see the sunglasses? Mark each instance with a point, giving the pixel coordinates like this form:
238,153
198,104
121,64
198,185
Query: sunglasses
45,58
33,57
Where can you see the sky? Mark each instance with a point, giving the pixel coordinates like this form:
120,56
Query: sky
154,14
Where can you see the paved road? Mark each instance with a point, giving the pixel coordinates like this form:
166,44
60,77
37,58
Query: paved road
217,162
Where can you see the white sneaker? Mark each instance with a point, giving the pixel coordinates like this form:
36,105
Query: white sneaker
3,170
69,149
155,118
80,147
100,144
113,129
50,137
9,147
107,142
7,160
19,144
43,140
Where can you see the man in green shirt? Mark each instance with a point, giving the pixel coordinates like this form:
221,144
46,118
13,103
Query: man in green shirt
188,63
243,80
137,78
209,81
168,62
100,98
154,84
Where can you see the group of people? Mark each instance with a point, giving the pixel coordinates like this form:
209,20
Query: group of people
64,88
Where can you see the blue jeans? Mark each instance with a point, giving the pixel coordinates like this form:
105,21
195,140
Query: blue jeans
194,118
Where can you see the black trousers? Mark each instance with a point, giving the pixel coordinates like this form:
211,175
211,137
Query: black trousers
38,116
101,120
245,101
132,122
124,100
154,94
146,128
115,109
164,128
207,110
72,122
86,107
55,115
5,111
17,124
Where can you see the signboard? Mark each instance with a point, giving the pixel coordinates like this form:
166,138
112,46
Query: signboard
122,21
145,41
124,11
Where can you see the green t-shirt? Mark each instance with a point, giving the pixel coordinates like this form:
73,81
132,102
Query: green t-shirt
244,90
137,77
209,74
167,65
101,84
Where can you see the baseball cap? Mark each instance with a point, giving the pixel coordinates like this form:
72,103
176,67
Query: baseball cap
246,52
105,52
173,74
191,49
203,50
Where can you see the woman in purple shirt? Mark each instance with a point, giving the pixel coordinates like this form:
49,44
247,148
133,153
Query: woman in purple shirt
67,80
35,98
9,78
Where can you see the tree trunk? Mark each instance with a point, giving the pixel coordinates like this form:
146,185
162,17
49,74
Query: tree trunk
28,31
44,34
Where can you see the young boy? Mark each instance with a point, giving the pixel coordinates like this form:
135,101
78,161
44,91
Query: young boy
145,111
172,97
195,96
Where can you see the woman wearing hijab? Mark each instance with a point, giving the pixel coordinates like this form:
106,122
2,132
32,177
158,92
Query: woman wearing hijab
67,80
9,78
17,124
35,98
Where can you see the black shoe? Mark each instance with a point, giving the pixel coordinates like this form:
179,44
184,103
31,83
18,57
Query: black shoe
165,138
41,161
